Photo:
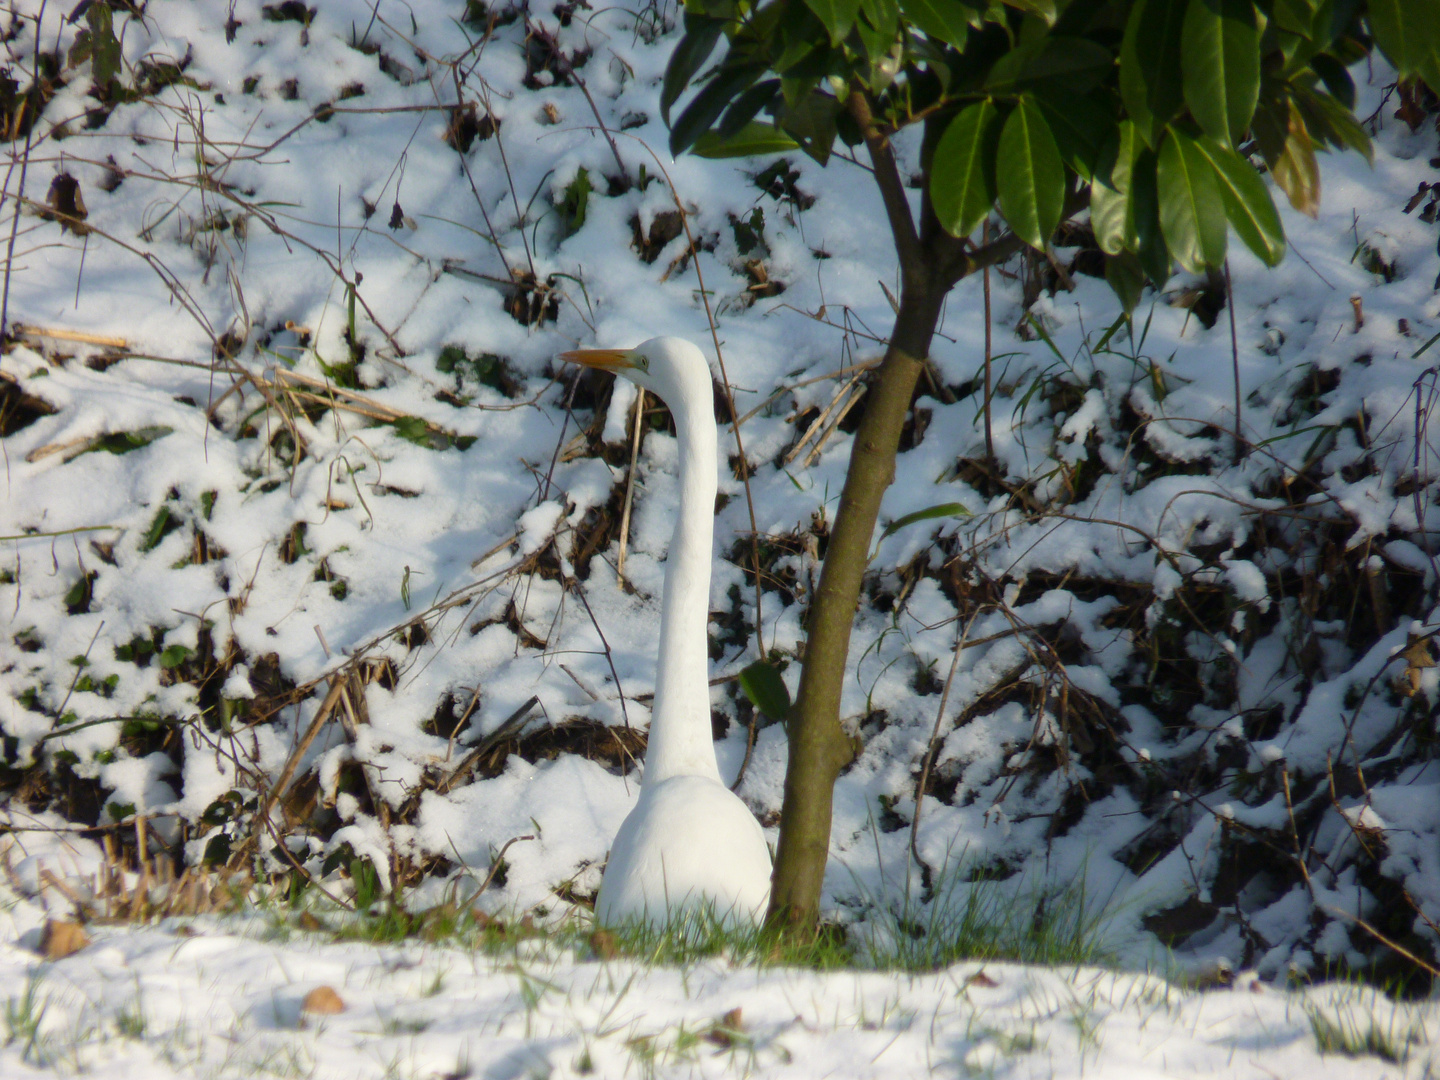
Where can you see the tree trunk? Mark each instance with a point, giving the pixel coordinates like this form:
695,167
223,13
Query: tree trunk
819,748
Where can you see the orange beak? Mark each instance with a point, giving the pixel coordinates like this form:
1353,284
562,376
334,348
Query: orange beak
616,360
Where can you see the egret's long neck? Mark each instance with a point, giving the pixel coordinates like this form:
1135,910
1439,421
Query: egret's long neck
681,742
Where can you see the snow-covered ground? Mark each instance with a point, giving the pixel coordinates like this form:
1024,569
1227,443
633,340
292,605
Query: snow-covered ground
1197,687
227,998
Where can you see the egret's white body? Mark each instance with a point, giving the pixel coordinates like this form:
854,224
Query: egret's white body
689,842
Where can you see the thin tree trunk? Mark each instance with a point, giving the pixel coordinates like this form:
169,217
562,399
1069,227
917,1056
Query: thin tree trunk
819,747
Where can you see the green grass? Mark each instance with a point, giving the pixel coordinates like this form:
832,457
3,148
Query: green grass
1355,1029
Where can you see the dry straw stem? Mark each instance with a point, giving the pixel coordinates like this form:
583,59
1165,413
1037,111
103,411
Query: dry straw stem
322,714
80,336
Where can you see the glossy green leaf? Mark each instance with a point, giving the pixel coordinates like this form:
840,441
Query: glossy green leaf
943,510
811,123
1150,76
1329,122
1408,33
1126,278
1220,65
706,106
766,690
1247,200
878,24
1029,174
1055,56
962,172
1081,126
701,37
943,20
1111,216
1297,16
753,140
1144,220
837,15
743,109
1336,79
1192,212
1041,9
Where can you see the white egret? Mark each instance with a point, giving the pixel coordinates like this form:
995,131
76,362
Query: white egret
689,842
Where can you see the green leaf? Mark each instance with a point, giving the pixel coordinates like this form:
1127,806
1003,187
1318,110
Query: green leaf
1336,79
1081,126
962,171
943,20
1029,174
943,510
766,690
1220,65
1408,33
812,124
1077,61
1144,220
837,15
879,23
1111,215
754,139
104,47
1247,202
172,656
1126,278
1150,61
1328,121
1041,9
701,36
1192,212
709,103
743,109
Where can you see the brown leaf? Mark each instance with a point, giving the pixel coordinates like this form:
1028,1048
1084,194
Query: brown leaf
604,945
322,1001
1295,168
67,203
981,979
60,938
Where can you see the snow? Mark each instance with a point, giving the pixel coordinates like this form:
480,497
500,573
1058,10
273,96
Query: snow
224,997
1311,559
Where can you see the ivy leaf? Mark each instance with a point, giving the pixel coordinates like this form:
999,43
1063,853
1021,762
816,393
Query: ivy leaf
1150,66
837,15
1220,65
1029,174
766,690
1247,202
1192,213
962,172
943,20
752,140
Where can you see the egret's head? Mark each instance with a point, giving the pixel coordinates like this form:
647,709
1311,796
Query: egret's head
670,368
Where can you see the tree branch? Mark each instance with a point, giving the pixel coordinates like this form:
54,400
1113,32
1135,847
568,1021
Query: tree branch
892,188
